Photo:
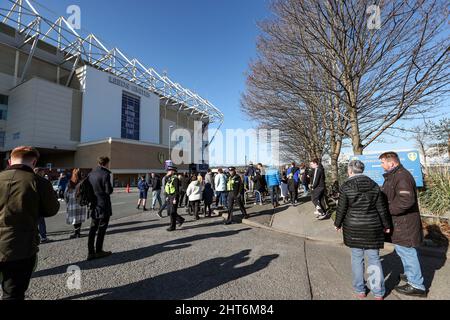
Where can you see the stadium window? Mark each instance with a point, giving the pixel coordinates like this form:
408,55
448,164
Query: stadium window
3,114
2,139
131,106
3,99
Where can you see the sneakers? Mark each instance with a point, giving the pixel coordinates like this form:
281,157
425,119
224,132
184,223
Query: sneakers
322,217
361,295
159,214
409,290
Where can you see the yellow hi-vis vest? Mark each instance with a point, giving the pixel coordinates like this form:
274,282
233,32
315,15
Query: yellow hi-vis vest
170,188
230,184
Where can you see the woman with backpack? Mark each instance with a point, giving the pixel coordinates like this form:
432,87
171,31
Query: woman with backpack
76,213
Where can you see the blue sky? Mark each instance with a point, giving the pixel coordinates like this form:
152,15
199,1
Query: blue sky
205,45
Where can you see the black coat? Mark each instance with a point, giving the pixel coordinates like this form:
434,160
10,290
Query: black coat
100,179
363,214
155,183
208,194
318,180
184,183
259,183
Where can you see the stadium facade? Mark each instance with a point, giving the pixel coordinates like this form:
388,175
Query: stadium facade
75,99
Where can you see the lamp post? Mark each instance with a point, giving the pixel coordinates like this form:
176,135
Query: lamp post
170,141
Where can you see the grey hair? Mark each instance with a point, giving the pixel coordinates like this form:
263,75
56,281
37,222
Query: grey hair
356,166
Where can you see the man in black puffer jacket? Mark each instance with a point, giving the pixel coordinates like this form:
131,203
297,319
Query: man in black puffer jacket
363,214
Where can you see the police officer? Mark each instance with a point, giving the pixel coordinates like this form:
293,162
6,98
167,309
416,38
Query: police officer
235,188
172,190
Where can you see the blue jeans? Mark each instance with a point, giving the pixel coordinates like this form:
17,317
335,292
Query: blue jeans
156,195
221,198
42,228
305,188
375,271
411,265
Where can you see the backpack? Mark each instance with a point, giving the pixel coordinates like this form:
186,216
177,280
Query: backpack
85,194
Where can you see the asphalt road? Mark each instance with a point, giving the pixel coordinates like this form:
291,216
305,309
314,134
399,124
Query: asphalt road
205,260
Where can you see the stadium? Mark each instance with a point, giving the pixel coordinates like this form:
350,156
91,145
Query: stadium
75,99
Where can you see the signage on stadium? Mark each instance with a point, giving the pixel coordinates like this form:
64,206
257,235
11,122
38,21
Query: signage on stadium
131,87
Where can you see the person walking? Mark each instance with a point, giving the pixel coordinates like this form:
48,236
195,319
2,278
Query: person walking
185,180
304,178
76,214
209,178
294,181
363,215
62,185
407,234
42,226
259,185
143,187
235,188
284,188
100,180
172,190
318,189
155,184
164,197
273,183
250,173
208,196
24,197
220,182
195,194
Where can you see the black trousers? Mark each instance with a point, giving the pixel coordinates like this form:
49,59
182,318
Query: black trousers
208,210
318,199
172,211
182,197
77,228
16,278
231,200
195,207
98,228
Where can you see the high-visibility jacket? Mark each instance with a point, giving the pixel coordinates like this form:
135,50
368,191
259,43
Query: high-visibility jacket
170,187
235,185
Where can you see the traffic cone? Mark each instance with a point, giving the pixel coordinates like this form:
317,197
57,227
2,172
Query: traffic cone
128,188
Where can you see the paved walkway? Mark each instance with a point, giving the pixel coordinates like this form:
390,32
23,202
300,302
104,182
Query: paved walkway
208,260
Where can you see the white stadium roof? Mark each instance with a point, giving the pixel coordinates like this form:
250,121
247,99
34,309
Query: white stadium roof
75,50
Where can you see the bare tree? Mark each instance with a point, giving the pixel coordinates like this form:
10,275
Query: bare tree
384,75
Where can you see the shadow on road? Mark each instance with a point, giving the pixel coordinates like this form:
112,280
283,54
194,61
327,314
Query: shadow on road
186,283
137,254
393,267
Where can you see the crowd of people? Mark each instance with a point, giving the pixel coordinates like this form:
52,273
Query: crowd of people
366,213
